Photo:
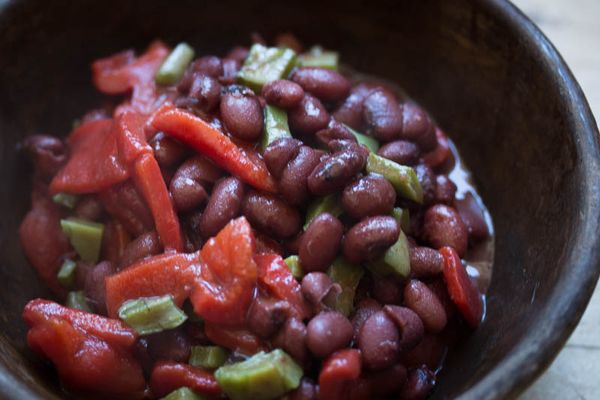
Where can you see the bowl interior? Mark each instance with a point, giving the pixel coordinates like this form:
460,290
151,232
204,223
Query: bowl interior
484,72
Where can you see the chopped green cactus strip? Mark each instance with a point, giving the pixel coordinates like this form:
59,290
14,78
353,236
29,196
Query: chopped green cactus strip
173,67
293,263
209,357
183,393
348,276
330,204
152,314
395,260
317,57
85,237
276,126
403,178
65,200
266,64
402,216
66,273
368,141
264,376
77,300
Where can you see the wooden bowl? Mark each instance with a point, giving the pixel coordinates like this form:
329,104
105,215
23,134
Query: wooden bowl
485,72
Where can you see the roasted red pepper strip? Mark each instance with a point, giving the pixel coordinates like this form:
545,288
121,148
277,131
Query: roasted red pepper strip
240,340
43,241
461,289
209,141
275,276
94,164
168,376
172,274
437,156
341,368
131,138
149,181
122,72
88,350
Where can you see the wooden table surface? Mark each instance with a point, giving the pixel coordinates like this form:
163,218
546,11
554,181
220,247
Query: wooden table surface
574,28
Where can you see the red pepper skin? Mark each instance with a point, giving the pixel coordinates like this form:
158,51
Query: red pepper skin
123,72
461,289
437,156
131,138
275,276
164,274
44,242
210,142
88,350
340,369
240,340
149,180
168,376
94,164
224,293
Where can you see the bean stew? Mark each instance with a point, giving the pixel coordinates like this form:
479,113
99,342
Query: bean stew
261,225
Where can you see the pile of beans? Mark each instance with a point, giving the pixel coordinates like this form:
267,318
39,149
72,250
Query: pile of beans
402,327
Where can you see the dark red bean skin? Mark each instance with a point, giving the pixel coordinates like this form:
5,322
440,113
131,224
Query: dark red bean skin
125,204
326,84
320,242
334,131
231,68
271,215
187,194
283,93
147,244
224,204
417,127
425,262
292,339
472,215
336,171
95,287
409,325
387,290
378,342
429,352
443,226
167,150
445,190
387,381
308,116
327,332
209,65
383,115
279,153
369,238
317,287
419,298
207,90
191,225
266,315
238,53
242,115
418,384
368,196
364,310
199,169
89,207
306,391
169,345
351,110
47,153
293,184
427,180
401,151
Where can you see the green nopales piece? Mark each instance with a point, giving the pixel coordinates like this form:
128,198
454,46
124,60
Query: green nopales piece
328,204
263,376
85,237
317,57
173,67
209,357
403,178
348,276
66,273
275,126
183,393
152,314
77,300
293,263
266,64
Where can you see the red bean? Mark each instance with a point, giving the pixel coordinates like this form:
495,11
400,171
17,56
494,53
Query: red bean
387,381
419,383
408,323
238,53
351,111
419,298
89,207
430,352
378,341
472,215
369,238
320,242
417,127
293,184
242,115
308,116
266,315
306,391
169,345
336,171
271,215
279,153
292,339
231,68
199,169
383,115
224,204
368,196
445,190
125,204
364,310
327,332
387,290
167,150
94,286
147,244
425,262
191,225
208,65
326,84
318,288
401,151
187,194
283,93
427,180
206,90
334,131
443,226
48,154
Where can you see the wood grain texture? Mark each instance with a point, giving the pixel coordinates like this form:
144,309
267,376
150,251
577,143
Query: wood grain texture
574,29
